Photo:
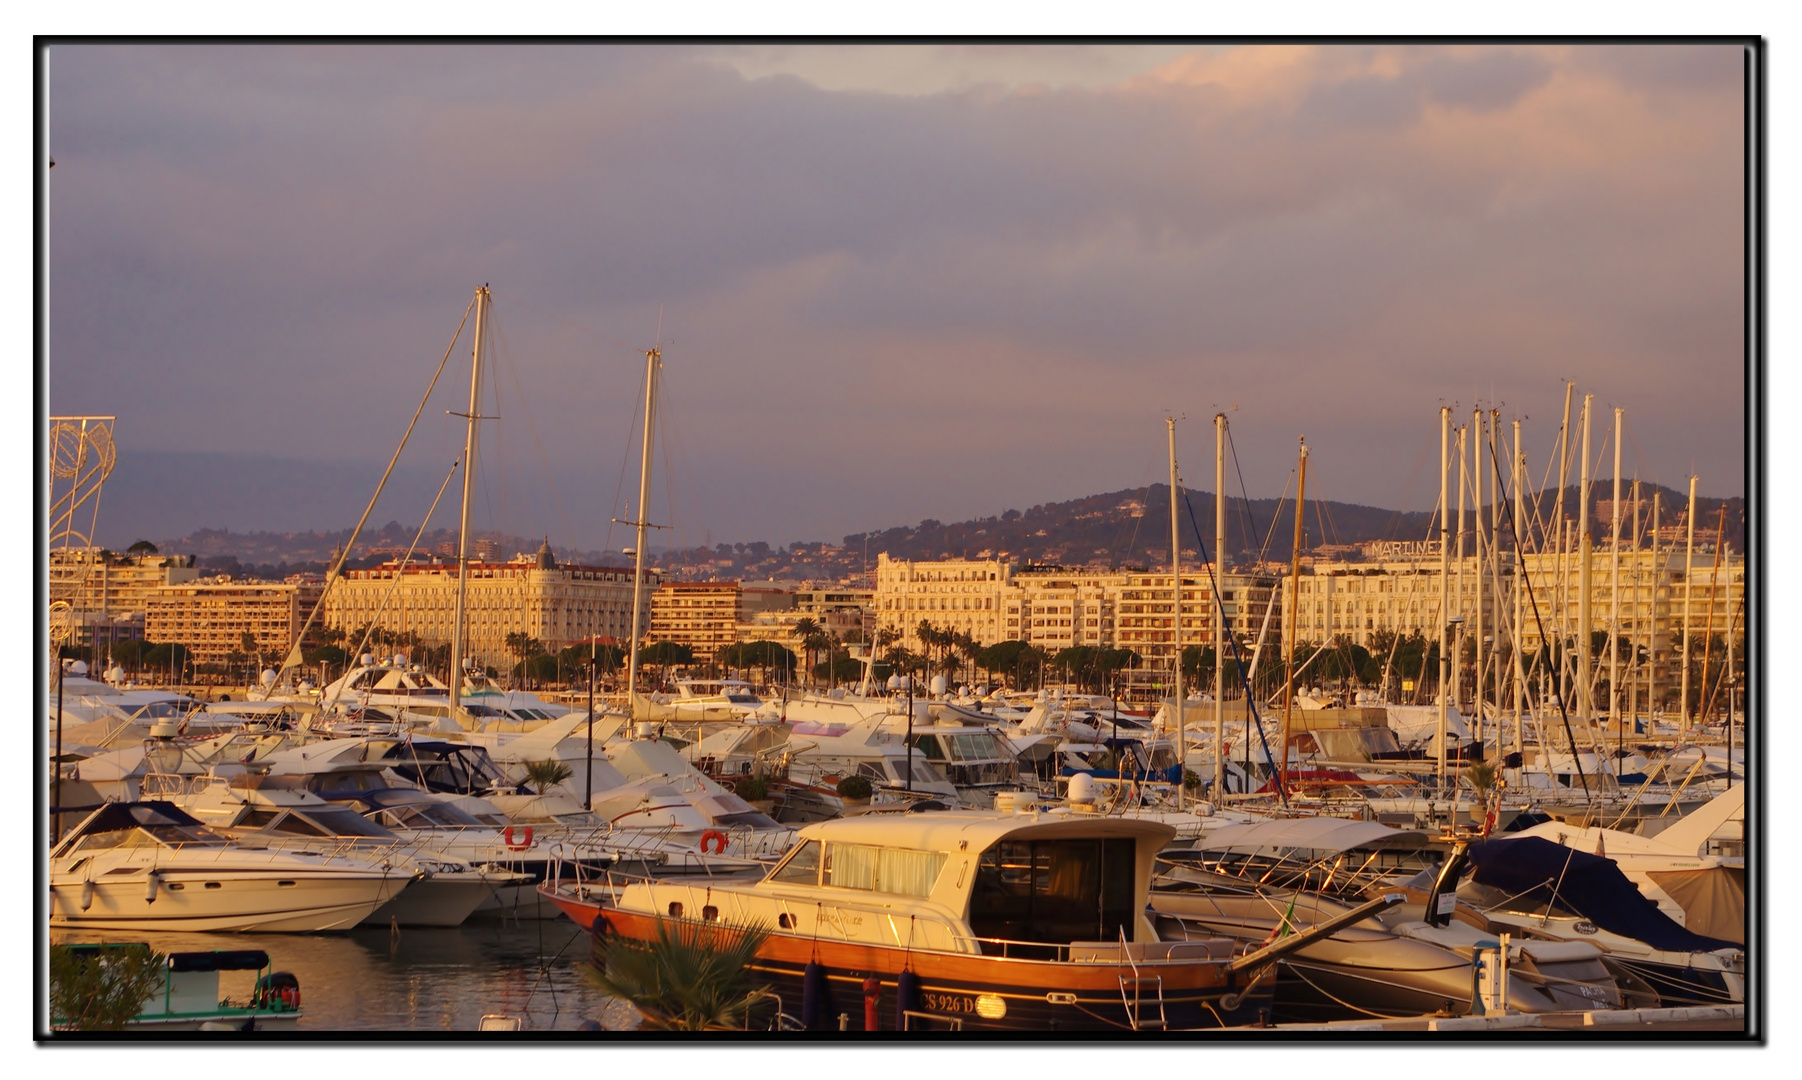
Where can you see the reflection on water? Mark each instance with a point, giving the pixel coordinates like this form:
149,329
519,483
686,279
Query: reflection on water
420,979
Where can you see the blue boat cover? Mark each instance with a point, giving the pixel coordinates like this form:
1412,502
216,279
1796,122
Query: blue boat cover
1590,885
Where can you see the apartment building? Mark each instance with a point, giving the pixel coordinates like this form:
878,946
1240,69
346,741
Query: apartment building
110,585
706,615
1056,607
211,617
530,594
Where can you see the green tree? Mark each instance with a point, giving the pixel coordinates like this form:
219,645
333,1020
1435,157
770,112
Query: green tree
142,547
807,632
690,977
101,988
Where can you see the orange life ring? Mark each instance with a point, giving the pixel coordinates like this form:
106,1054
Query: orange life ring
519,844
715,836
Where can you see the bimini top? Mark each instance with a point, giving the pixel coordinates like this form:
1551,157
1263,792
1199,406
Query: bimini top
977,830
1326,834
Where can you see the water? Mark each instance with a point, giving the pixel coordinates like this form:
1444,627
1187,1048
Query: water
421,979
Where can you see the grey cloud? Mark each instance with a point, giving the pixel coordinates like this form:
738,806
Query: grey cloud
269,247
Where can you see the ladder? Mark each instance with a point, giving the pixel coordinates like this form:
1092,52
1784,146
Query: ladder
1137,992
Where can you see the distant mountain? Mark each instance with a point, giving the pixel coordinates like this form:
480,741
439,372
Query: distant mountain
1121,528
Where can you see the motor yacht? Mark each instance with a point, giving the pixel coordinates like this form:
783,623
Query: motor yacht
277,812
980,921
152,866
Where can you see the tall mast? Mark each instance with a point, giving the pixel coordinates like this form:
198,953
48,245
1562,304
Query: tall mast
652,360
1176,610
469,479
1458,581
1635,670
1652,621
1293,623
1445,576
1585,706
1476,532
1520,587
1219,606
1689,572
1614,585
1495,566
1563,603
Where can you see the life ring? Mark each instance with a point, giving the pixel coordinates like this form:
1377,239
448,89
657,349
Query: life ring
715,837
517,844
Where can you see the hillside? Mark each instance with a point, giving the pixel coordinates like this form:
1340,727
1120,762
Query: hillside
1119,528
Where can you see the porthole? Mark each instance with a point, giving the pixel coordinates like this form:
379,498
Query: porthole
675,909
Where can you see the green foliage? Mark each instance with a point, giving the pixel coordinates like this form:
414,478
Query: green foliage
142,547
839,669
103,988
757,654
166,655
546,774
606,657
751,788
1481,775
331,655
1017,662
666,654
690,977
856,788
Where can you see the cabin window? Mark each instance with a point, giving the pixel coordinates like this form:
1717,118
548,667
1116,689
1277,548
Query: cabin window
803,867
882,869
1055,891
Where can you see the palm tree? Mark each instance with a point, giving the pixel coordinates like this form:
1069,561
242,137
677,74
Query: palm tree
690,978
546,774
806,631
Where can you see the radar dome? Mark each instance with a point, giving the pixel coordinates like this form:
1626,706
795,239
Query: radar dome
1082,788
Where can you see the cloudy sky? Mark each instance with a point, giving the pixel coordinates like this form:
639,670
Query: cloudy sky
889,282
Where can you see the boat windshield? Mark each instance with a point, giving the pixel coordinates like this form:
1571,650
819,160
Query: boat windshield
423,815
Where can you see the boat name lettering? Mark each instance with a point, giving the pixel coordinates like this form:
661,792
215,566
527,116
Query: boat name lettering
957,1003
1584,926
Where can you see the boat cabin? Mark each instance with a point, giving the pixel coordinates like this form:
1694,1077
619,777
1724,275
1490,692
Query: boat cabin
1027,885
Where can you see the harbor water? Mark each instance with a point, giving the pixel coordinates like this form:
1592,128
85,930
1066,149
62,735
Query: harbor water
374,980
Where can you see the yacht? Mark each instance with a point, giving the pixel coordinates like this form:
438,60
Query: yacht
277,812
981,921
152,866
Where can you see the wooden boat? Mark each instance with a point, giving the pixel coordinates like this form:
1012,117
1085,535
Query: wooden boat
975,920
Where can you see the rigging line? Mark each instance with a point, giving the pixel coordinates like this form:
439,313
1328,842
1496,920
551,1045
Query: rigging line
369,627
1238,660
1527,579
1245,515
337,568
666,428
624,461
1276,515
550,478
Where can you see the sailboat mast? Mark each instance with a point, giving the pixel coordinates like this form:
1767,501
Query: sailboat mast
1219,606
1445,575
652,360
1614,585
1585,707
1520,588
469,479
1292,625
1176,608
1652,619
1689,573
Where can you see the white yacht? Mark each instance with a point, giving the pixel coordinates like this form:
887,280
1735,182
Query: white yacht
151,866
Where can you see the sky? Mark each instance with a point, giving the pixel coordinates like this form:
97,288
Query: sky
888,282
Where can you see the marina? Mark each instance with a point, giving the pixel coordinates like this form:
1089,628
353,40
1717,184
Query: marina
1449,725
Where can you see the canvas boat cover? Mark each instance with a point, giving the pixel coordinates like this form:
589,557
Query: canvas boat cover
1589,885
1313,834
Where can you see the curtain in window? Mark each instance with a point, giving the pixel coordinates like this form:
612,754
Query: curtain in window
880,869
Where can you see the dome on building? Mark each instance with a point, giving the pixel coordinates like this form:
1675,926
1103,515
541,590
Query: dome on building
546,561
